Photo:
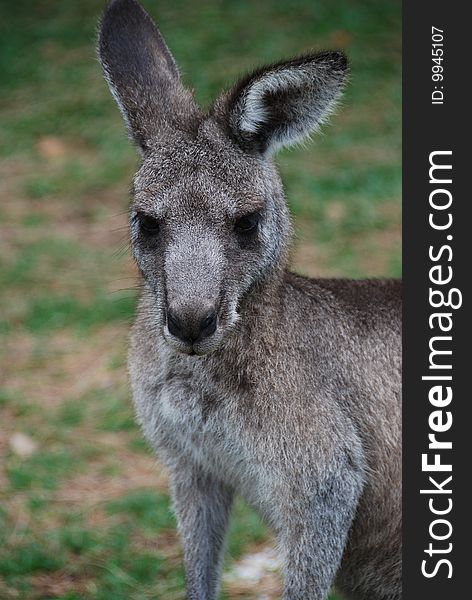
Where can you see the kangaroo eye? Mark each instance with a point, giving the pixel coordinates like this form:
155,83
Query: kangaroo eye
247,224
148,224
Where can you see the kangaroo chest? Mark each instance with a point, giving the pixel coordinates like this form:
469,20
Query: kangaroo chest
196,416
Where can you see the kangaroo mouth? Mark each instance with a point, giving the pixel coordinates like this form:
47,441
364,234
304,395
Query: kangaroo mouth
194,348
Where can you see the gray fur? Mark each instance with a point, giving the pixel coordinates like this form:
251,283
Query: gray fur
294,401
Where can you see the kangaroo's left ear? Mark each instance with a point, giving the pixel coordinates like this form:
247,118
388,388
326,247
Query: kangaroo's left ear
281,104
142,73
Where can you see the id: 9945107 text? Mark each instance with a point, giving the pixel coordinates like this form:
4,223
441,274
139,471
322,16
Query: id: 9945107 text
437,68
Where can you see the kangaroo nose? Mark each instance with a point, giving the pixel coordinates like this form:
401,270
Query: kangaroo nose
191,326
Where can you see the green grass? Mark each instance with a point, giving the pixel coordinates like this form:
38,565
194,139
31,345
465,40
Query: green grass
43,470
86,514
148,509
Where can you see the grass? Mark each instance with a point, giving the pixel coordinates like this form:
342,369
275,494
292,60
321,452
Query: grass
85,511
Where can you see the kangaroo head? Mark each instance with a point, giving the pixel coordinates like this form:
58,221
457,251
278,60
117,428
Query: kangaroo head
209,220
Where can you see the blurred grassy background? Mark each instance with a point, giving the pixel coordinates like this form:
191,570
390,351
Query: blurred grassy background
84,510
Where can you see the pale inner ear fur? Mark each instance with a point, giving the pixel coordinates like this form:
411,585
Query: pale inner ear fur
310,116
284,103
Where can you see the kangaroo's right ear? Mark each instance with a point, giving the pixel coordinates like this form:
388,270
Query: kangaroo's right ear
281,104
141,72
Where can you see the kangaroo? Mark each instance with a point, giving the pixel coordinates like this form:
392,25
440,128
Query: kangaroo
247,378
